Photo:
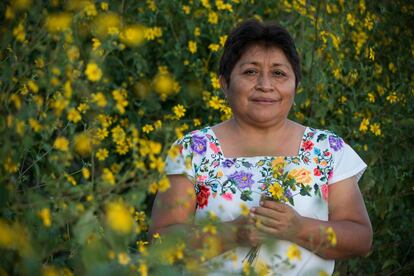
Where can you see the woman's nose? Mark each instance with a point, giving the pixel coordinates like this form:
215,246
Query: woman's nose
264,83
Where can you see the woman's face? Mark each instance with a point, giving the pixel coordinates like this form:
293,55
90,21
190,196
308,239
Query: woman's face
262,86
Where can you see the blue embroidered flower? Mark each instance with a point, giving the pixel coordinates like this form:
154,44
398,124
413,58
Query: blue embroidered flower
242,179
198,144
335,143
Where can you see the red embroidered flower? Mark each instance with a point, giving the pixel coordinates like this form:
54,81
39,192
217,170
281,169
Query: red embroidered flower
317,172
202,196
214,148
308,145
327,153
324,190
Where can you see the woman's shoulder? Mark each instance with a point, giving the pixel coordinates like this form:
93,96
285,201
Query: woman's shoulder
325,137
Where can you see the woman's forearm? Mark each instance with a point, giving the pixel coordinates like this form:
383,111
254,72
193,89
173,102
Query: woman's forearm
335,239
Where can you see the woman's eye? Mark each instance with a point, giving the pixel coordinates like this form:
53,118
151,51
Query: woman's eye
250,72
279,74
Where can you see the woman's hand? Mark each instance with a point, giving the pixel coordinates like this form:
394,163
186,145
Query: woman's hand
277,220
245,233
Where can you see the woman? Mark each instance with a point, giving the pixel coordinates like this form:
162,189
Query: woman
226,167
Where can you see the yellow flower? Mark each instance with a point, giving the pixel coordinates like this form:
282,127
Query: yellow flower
157,163
196,122
197,31
163,84
123,258
44,214
351,19
331,236
90,9
276,190
101,133
93,72
133,35
100,99
375,128
104,6
58,22
143,269
119,218
10,166
153,33
179,111
74,115
120,97
61,143
102,154
192,46
214,47
108,176
106,24
215,102
293,252
186,9
163,184
71,180
212,17
86,173
371,97
35,125
214,81
147,128
223,40
262,269
83,144
363,127
392,98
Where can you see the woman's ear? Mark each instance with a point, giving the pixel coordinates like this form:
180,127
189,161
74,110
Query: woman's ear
223,84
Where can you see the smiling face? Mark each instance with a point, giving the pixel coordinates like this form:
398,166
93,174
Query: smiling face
262,86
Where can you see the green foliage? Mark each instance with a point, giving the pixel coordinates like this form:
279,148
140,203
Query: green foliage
81,80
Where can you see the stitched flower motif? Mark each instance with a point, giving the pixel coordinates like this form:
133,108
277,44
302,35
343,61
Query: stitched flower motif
199,144
335,143
242,179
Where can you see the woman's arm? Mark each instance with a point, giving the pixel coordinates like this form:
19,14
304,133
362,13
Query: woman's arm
348,218
174,209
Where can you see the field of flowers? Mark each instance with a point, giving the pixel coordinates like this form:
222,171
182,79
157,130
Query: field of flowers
93,93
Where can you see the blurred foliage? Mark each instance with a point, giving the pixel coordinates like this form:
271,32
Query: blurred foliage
93,93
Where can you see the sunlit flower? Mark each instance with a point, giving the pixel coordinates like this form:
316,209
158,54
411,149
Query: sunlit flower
61,143
102,154
119,218
106,24
192,46
58,22
82,144
44,214
179,111
133,35
293,253
212,17
93,72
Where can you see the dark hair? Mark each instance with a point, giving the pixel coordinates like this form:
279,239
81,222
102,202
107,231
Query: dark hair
252,32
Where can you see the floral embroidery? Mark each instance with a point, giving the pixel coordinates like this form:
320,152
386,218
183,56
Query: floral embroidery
198,144
202,196
335,142
243,180
232,178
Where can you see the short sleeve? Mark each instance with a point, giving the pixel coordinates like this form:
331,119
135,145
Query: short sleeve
179,160
346,162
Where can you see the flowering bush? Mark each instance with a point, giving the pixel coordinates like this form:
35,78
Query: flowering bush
93,93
